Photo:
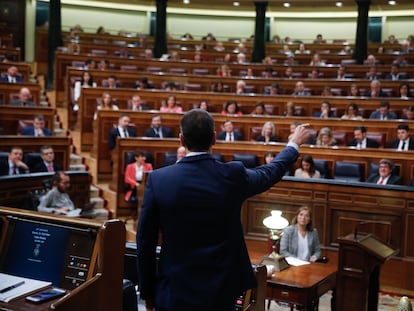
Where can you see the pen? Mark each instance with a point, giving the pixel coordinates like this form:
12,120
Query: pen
11,287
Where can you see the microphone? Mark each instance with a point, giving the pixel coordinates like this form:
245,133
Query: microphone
367,222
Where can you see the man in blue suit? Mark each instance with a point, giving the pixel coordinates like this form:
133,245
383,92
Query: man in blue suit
38,128
196,205
12,75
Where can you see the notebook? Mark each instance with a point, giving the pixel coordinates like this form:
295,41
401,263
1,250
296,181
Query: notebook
13,287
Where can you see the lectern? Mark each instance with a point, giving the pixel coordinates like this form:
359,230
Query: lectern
360,260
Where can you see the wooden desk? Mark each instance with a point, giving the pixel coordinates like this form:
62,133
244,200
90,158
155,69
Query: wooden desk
302,286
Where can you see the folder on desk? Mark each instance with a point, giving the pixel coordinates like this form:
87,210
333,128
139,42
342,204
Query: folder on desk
12,287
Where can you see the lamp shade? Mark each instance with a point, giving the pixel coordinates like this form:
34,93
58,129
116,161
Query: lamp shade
276,221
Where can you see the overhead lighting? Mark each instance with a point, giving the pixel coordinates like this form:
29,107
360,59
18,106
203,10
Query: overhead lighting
236,3
286,4
392,2
186,1
338,4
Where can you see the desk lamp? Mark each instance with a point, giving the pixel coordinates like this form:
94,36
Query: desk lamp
275,223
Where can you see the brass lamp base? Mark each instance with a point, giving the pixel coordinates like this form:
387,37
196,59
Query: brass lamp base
277,261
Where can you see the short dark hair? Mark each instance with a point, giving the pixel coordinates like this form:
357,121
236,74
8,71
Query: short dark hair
45,147
388,162
57,178
197,129
363,129
403,127
385,104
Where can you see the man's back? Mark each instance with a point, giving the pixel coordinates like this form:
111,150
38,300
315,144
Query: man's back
204,260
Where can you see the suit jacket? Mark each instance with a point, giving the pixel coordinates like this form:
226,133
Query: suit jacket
371,143
203,262
166,132
41,167
394,144
289,243
30,131
377,115
381,94
304,93
114,133
236,136
393,180
130,177
18,102
5,168
5,78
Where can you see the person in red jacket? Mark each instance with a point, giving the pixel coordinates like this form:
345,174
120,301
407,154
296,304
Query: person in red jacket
134,174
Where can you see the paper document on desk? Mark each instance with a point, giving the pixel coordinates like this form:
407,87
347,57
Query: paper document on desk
293,261
12,287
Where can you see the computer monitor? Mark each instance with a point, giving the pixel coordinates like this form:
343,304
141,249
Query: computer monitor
54,252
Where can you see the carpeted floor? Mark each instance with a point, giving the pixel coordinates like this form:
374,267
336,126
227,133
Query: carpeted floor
387,302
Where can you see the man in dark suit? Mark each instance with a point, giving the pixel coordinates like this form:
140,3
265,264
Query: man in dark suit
12,76
300,90
196,204
38,128
14,165
47,165
375,89
228,133
361,140
157,130
403,142
137,104
395,74
25,98
122,130
385,175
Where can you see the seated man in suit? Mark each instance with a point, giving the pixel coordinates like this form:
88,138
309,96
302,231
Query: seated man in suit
137,104
325,112
122,130
403,142
14,165
385,175
38,128
361,140
395,74
375,89
383,112
12,75
47,164
157,130
300,89
25,98
228,133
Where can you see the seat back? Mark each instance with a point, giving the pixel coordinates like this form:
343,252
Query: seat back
321,165
249,160
348,171
218,156
378,137
254,299
170,158
32,159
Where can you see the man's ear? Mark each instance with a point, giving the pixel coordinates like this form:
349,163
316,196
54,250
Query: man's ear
182,140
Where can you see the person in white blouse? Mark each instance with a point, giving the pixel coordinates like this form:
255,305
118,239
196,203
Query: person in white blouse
85,81
307,169
300,239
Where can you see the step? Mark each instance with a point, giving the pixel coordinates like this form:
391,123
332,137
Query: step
77,167
94,192
99,202
75,159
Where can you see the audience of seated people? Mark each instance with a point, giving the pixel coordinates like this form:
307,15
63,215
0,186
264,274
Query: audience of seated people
228,133
25,98
38,129
121,130
385,174
48,163
404,141
134,175
301,239
360,140
307,169
268,133
156,129
14,164
325,138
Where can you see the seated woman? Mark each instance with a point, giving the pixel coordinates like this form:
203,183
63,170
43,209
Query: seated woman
307,169
404,91
300,239
231,108
259,109
269,156
107,103
134,173
325,138
171,105
268,133
352,112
